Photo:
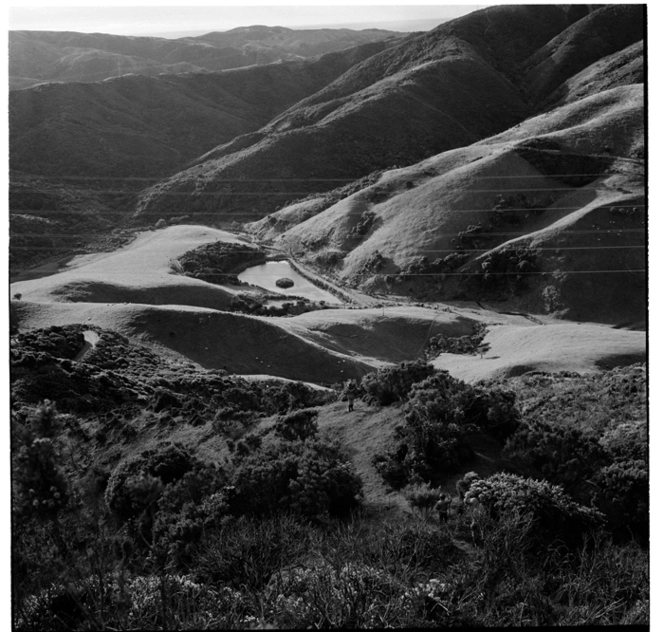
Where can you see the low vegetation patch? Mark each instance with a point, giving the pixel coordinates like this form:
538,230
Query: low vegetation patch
216,262
463,345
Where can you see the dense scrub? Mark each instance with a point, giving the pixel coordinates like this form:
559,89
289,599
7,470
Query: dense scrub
440,415
215,262
275,534
173,548
463,345
116,376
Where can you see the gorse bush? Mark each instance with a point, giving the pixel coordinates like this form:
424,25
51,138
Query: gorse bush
299,425
186,509
40,483
463,345
161,492
609,471
627,441
555,516
622,493
309,478
563,455
440,415
392,384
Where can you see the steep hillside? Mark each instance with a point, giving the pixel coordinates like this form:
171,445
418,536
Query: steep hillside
542,216
137,126
448,88
603,32
43,56
620,69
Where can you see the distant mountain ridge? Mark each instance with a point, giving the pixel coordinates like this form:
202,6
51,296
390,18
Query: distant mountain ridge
56,56
138,126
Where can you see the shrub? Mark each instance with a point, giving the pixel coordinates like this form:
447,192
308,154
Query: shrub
309,478
392,384
136,486
461,344
627,440
555,516
441,413
353,595
246,552
186,509
299,425
622,493
365,224
464,483
562,455
422,497
284,282
41,487
506,272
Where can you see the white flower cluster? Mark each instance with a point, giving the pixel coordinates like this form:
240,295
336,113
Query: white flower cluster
147,592
424,593
433,589
311,596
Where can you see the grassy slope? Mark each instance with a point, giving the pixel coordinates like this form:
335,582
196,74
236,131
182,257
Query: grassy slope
620,69
421,209
132,291
600,34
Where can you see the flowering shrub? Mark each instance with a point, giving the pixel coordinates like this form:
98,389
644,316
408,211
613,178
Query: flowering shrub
153,596
428,600
555,515
622,493
353,595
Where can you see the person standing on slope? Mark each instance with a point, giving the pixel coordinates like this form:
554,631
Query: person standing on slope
443,507
351,391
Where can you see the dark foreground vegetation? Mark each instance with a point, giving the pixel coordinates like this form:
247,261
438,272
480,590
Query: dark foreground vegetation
119,525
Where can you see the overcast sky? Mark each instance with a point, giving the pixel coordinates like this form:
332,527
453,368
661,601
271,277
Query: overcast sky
165,20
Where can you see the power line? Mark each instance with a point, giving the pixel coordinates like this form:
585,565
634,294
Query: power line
466,274
606,207
566,234
357,179
123,275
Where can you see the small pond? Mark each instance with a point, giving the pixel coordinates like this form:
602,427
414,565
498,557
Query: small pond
267,274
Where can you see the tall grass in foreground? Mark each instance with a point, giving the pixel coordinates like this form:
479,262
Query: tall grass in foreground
285,572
